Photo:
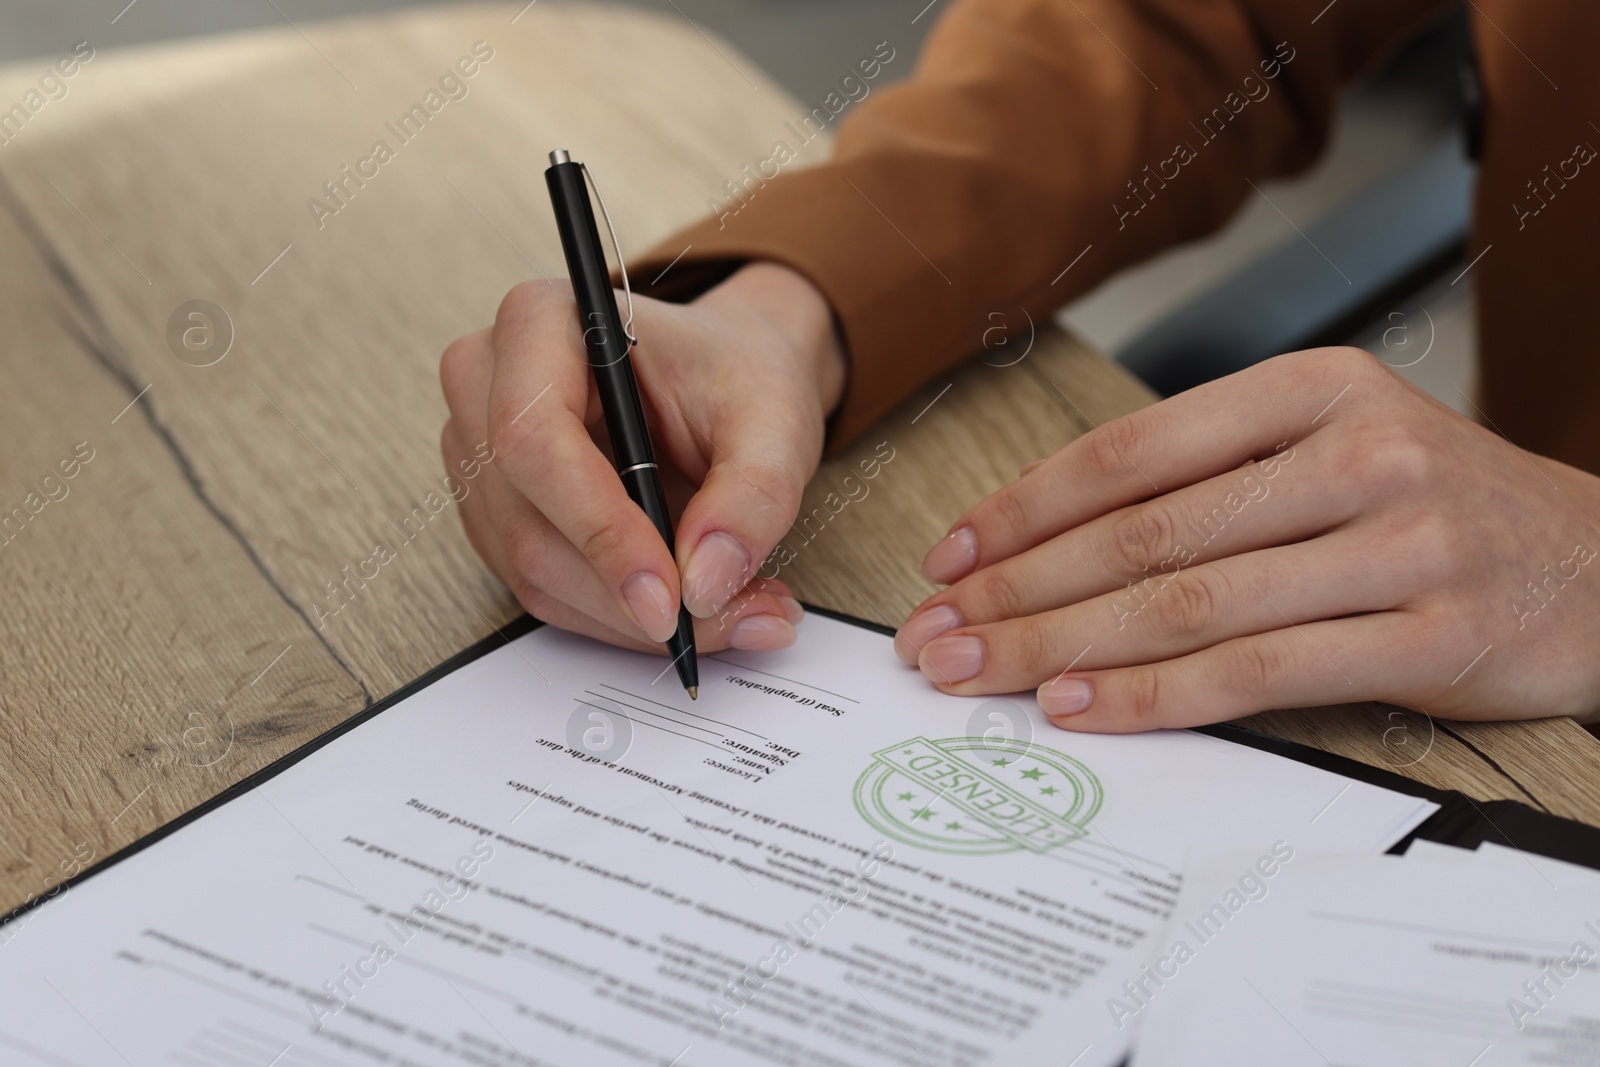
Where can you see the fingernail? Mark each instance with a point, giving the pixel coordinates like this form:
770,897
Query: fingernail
761,633
1066,696
923,627
651,603
953,659
716,570
952,558
792,608
1029,468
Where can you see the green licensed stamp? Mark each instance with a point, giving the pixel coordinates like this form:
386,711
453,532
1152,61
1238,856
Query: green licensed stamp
977,795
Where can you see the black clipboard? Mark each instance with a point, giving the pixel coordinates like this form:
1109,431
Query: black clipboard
1460,821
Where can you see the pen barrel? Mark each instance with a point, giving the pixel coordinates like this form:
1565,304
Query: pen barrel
603,339
645,491
644,488
606,345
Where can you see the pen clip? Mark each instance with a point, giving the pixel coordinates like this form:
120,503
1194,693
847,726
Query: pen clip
616,246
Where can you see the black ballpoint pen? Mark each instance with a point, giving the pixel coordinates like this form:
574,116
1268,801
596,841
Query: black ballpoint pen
607,340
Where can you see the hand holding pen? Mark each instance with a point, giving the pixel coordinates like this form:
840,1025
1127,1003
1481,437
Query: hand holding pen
736,385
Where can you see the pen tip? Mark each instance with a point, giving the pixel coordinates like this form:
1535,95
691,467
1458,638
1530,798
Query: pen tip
694,692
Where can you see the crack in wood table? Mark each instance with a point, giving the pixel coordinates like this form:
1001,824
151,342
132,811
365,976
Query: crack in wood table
204,591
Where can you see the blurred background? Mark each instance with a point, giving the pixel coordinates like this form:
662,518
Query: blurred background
1367,249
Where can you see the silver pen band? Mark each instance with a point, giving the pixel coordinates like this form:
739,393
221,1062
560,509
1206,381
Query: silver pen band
635,467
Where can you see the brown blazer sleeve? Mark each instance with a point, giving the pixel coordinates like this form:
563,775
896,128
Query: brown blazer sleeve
1031,133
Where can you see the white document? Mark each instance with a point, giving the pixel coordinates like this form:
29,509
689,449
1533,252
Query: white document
551,856
1442,957
1434,852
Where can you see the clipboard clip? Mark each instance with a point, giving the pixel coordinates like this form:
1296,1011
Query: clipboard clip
561,155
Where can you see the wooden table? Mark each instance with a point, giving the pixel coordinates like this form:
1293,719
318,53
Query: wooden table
170,623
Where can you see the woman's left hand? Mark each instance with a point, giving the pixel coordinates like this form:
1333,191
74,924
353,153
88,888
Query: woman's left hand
1313,530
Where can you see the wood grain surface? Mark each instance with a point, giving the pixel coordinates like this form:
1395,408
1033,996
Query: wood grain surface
198,598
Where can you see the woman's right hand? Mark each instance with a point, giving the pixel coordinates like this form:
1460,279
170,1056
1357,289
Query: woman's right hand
736,387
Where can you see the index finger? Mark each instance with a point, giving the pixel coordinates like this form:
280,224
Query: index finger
537,400
1197,434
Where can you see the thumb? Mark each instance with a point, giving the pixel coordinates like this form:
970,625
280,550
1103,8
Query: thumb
760,463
